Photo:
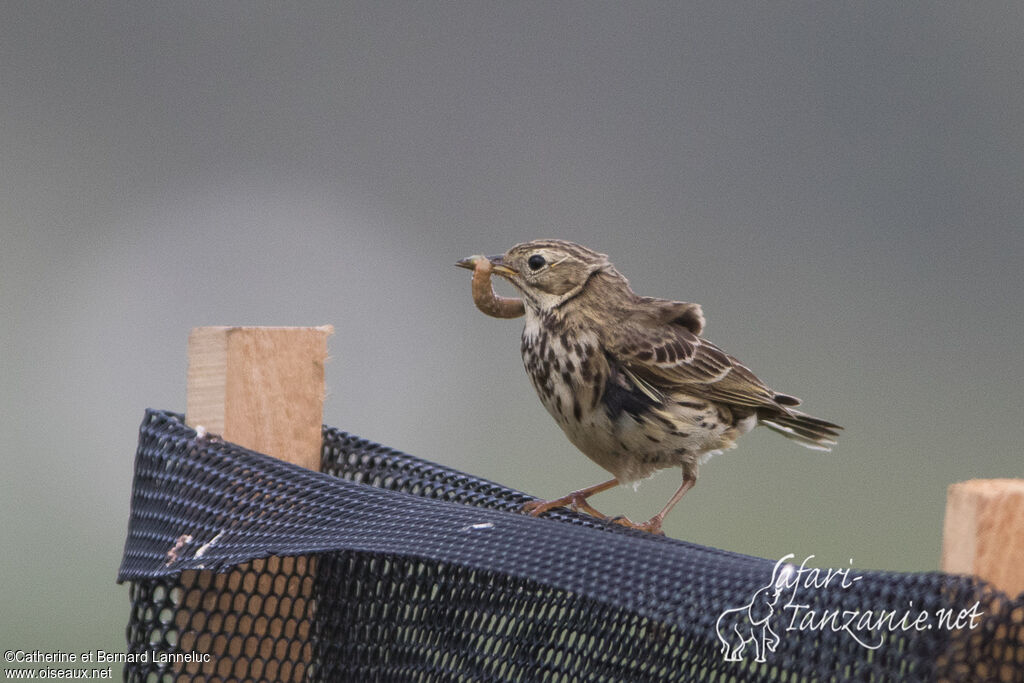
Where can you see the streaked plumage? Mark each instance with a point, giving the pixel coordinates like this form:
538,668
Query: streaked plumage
629,378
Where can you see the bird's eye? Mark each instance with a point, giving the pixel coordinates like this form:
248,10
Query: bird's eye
536,262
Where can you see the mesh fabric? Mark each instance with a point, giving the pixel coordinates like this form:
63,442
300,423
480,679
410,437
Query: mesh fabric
388,567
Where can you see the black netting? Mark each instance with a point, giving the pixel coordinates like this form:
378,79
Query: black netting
395,568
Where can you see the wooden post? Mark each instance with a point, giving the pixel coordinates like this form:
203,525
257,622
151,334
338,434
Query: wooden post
983,533
262,388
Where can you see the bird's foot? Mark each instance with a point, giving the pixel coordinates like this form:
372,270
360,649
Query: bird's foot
651,526
575,501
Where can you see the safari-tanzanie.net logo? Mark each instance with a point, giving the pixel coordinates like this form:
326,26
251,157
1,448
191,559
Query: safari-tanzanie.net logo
756,628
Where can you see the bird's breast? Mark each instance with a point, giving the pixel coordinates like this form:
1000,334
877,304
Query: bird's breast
566,367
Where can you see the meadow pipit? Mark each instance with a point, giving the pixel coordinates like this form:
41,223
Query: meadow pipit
628,378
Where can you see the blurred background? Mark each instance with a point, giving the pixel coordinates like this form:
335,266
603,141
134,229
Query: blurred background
839,186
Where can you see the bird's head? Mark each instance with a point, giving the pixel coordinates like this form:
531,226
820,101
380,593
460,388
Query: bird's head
548,272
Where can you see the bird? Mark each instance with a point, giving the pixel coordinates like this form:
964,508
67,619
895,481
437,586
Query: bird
629,378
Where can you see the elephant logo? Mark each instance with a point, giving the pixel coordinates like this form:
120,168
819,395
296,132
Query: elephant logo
751,624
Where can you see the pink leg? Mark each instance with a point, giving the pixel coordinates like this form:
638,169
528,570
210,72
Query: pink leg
577,500
653,525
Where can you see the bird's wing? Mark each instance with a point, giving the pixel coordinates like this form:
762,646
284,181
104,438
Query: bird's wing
657,344
665,312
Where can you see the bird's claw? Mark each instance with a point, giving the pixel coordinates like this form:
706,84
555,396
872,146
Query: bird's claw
575,502
651,526
536,508
578,503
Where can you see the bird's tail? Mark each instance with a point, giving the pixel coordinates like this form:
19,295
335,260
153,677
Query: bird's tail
806,430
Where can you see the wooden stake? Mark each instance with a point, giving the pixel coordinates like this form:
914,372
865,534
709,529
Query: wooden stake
261,388
983,533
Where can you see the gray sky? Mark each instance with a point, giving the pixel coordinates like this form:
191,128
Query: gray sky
838,185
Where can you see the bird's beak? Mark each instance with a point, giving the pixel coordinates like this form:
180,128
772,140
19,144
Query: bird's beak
497,264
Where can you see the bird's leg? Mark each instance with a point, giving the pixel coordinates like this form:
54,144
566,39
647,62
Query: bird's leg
653,525
577,500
